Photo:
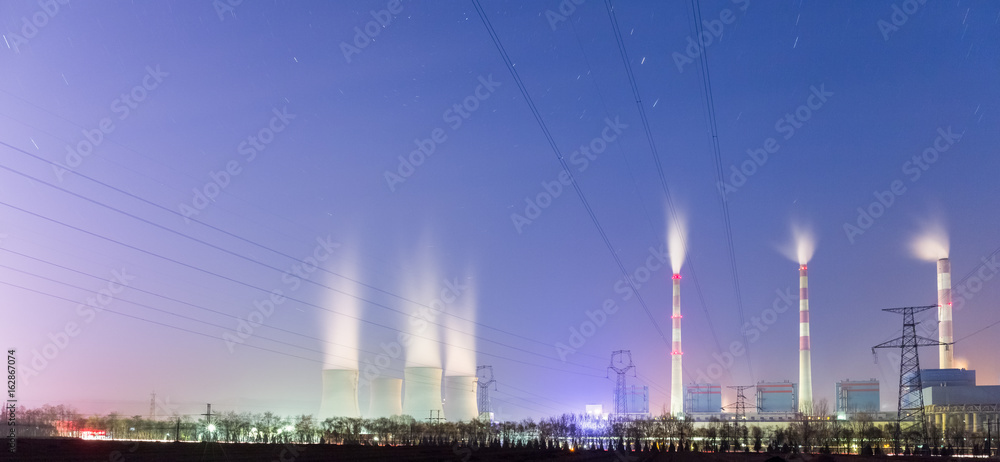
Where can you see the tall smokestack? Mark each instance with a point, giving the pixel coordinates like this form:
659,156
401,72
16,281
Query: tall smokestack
805,359
945,333
676,383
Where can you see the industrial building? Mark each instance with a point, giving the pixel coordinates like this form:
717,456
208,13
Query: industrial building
947,378
777,397
857,396
703,398
637,400
953,400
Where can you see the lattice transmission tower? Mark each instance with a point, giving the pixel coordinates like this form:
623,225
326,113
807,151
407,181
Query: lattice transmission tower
485,375
910,408
621,363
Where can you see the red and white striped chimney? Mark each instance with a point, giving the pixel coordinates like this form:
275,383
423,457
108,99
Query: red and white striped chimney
676,382
945,333
805,359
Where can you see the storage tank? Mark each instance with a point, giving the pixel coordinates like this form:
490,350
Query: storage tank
386,397
460,403
340,394
422,392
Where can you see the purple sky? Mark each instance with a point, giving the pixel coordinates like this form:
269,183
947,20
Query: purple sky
309,132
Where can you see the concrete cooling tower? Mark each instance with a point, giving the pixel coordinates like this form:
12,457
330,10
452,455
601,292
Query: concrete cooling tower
387,395
422,392
340,394
460,403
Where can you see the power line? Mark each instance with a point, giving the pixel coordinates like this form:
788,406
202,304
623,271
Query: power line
119,298
672,210
565,166
535,353
237,254
717,154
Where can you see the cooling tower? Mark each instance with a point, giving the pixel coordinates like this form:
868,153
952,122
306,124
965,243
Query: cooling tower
805,360
945,334
460,403
386,397
676,384
340,394
422,393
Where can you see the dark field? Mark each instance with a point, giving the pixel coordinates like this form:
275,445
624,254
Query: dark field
58,449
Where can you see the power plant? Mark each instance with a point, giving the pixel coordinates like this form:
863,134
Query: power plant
949,397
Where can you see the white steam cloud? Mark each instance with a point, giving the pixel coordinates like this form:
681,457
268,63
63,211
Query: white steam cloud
423,284
676,230
803,244
341,329
932,243
460,347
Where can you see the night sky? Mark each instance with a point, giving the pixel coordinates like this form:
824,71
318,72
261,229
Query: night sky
168,169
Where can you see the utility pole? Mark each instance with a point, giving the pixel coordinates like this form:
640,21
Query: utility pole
152,406
433,419
208,417
990,422
910,408
621,363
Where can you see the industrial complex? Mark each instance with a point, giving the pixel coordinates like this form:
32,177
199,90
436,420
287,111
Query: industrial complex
939,398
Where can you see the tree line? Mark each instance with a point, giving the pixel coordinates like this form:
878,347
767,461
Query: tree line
860,434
